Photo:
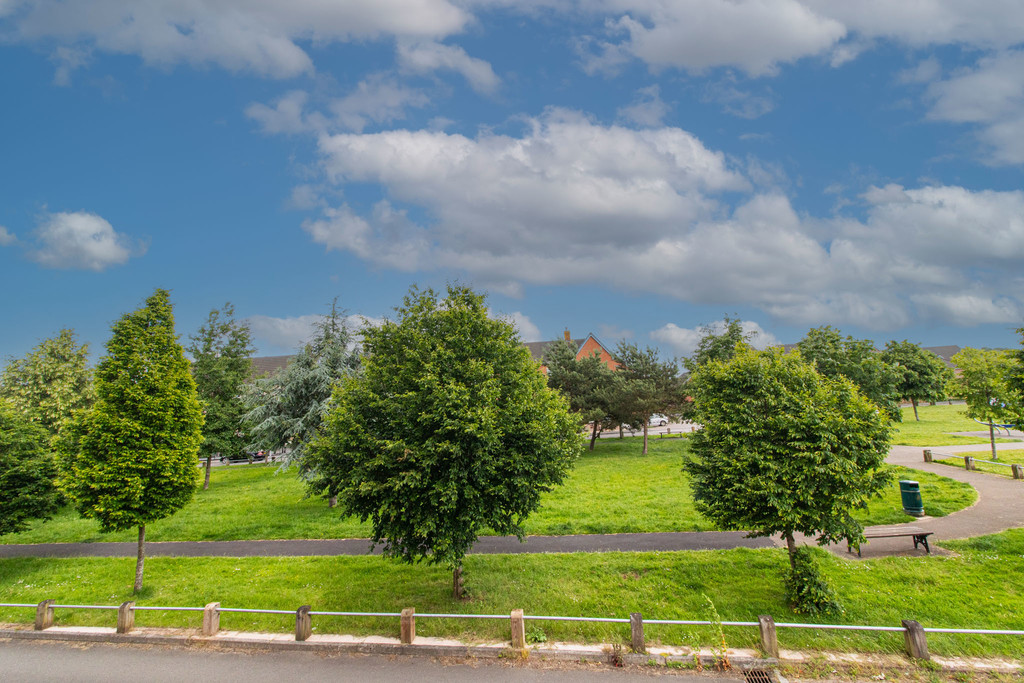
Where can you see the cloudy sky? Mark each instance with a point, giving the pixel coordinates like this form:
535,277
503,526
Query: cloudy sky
630,168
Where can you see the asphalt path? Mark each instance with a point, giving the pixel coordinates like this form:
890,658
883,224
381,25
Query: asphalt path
111,663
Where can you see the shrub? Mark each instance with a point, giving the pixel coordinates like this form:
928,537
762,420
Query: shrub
806,587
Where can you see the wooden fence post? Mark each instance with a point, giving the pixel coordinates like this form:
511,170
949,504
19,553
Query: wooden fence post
1018,471
518,625
126,617
915,640
968,462
636,632
927,455
408,627
211,619
769,640
44,615
303,623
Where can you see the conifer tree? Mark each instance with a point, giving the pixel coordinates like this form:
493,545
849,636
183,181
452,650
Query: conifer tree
131,459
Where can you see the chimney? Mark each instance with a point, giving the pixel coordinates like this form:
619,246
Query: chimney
568,337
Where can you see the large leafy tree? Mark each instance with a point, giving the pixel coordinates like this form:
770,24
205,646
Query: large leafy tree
448,430
856,359
51,383
131,459
27,471
985,382
923,375
221,353
284,411
1016,381
784,450
588,383
651,384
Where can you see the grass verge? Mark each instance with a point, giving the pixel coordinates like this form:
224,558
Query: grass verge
968,590
1007,457
614,489
935,427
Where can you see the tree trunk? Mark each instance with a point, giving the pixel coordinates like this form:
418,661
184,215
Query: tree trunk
332,501
992,438
913,402
791,547
593,436
457,582
141,561
209,462
645,437
621,435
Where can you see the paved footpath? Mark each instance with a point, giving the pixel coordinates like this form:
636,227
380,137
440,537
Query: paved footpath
1000,506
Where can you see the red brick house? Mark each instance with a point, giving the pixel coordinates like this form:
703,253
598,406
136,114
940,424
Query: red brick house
584,348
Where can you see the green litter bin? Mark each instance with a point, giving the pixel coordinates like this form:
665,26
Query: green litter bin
910,492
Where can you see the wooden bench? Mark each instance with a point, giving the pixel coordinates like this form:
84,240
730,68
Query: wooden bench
919,535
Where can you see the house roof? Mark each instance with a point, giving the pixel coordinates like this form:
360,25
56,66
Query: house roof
265,366
538,349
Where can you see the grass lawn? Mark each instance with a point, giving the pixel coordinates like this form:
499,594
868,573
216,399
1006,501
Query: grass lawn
1008,457
936,423
967,590
612,490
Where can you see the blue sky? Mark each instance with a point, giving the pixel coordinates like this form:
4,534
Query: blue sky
630,168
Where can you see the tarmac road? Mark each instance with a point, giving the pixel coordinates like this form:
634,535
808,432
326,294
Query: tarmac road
27,661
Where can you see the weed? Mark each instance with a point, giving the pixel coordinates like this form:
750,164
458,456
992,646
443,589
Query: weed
719,648
536,635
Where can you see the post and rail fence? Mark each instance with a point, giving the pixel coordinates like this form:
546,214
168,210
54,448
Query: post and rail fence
970,462
915,635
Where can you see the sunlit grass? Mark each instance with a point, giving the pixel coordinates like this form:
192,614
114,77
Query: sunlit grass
968,590
937,422
1006,457
611,490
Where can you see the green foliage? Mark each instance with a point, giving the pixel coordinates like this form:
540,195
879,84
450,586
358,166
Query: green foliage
221,364
448,430
131,459
1016,381
857,360
649,385
987,385
717,343
590,386
806,587
285,411
51,383
719,648
923,375
784,449
27,471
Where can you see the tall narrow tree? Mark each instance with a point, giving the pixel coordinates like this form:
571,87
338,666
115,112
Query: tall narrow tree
284,412
131,459
221,365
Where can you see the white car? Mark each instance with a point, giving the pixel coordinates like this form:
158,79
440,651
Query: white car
657,421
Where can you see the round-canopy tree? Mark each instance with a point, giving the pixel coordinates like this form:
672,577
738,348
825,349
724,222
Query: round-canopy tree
132,458
448,430
783,449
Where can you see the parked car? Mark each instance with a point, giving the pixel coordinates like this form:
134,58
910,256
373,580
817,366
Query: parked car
657,420
245,457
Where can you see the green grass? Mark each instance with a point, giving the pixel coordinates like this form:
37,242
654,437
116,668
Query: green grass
1008,457
967,590
935,426
612,490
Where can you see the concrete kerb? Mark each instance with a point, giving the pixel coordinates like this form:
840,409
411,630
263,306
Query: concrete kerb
741,660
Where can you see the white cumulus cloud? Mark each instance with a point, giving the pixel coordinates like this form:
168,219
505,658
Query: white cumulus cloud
684,340
426,57
81,240
6,237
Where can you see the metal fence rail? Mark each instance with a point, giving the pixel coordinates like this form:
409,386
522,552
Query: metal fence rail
915,640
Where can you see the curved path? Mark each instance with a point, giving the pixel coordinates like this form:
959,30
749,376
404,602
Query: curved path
1000,506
